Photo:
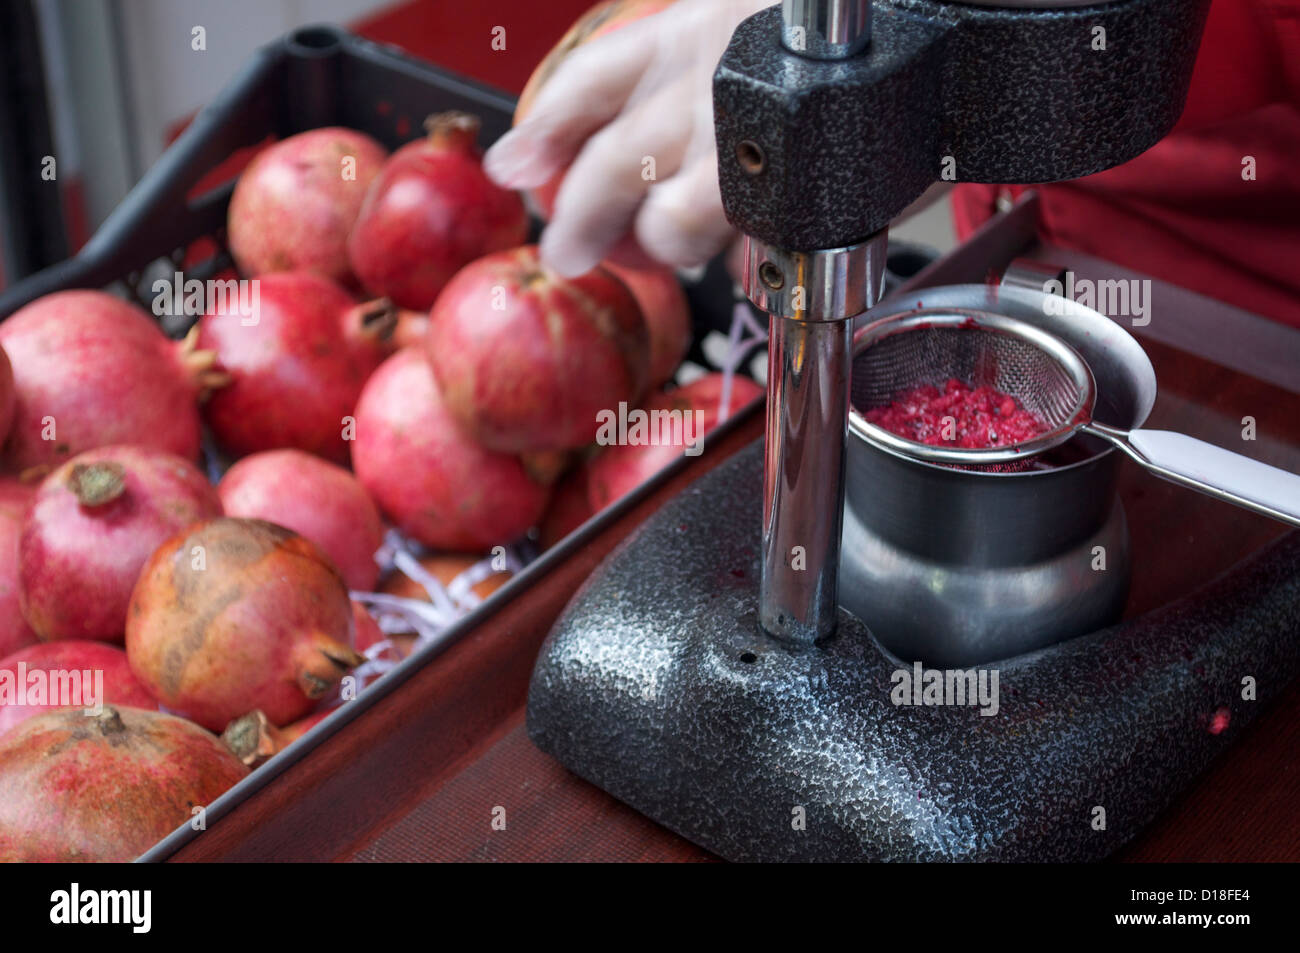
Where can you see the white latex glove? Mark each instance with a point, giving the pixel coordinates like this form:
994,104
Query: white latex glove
641,93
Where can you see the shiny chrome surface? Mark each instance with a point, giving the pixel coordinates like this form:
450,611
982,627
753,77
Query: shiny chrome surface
811,297
809,358
1031,274
826,29
803,476
827,285
923,540
971,614
1235,478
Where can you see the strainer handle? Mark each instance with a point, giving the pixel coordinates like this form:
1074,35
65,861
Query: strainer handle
1212,470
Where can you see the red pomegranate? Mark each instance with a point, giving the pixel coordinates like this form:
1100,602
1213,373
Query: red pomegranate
90,528
547,466
427,475
601,19
75,673
253,739
667,316
316,499
367,629
91,370
369,633
622,468
374,323
408,327
705,396
104,788
296,371
294,205
569,508
7,397
15,496
412,326
527,360
291,733
431,211
235,614
14,630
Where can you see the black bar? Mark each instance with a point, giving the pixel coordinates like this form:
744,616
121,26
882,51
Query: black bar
32,232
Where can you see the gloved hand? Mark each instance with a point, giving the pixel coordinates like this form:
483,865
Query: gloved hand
631,115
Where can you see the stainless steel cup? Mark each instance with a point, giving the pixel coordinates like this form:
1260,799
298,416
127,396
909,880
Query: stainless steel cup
961,567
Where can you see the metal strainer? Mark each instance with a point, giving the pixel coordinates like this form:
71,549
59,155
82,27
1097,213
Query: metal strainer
1051,380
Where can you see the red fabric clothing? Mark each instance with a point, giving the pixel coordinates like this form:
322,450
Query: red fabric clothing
1182,211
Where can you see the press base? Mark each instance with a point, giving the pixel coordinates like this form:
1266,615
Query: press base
658,686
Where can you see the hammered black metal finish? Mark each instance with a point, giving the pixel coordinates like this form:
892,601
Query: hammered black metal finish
1012,96
658,685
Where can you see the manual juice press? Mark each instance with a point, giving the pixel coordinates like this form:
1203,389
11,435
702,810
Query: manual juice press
709,674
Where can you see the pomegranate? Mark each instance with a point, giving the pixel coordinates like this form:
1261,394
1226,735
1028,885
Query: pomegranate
7,397
444,567
291,733
622,468
601,19
408,327
294,205
72,674
295,374
15,496
91,370
369,633
569,508
367,629
527,360
104,788
412,326
14,630
431,211
667,316
373,325
90,528
236,614
427,475
314,498
253,739
547,466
